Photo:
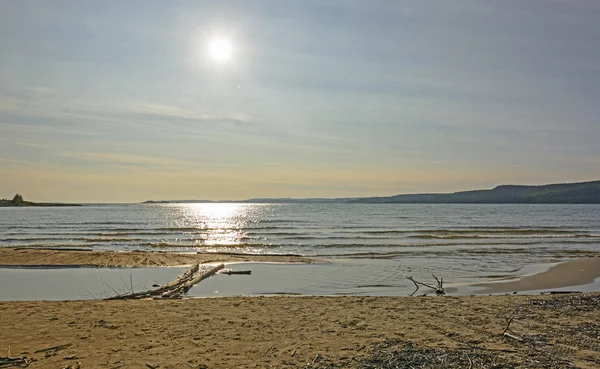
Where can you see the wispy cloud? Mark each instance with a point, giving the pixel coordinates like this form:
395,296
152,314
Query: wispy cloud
158,162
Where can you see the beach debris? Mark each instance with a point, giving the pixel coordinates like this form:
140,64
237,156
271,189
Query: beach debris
268,349
318,357
235,272
508,333
439,289
54,348
398,354
559,292
20,362
173,289
73,366
152,366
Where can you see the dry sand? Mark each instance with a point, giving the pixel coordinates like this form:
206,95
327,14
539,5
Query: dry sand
56,257
312,332
571,273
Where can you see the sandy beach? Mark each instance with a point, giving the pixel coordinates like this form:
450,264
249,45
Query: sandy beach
311,332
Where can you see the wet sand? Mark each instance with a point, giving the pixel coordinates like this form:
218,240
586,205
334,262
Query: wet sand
571,273
58,257
295,332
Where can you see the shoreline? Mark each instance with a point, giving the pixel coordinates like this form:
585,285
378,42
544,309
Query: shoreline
571,273
280,331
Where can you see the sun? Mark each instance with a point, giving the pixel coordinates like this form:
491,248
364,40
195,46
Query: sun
220,50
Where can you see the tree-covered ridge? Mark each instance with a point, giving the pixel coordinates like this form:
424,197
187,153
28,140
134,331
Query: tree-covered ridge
564,193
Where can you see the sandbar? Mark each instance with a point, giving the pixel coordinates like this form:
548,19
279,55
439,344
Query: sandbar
571,273
90,258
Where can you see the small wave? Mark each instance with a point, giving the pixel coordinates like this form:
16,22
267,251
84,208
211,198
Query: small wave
41,245
117,234
455,244
31,239
283,221
386,232
183,229
492,230
274,233
511,227
63,224
109,240
205,245
503,236
328,238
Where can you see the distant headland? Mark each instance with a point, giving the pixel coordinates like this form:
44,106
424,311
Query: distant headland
562,193
18,201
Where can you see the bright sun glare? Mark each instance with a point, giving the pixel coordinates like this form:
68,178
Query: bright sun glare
220,50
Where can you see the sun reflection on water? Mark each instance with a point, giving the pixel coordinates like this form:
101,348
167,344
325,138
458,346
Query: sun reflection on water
219,224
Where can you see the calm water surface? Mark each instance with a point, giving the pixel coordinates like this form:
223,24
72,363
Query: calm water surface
460,242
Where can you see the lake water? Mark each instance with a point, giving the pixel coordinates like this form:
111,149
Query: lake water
387,242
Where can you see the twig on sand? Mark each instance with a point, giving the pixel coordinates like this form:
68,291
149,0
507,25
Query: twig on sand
508,321
513,337
267,350
507,330
318,357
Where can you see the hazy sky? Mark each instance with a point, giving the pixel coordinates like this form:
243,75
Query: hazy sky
120,101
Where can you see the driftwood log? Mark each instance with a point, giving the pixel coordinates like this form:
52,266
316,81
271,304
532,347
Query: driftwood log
173,289
184,287
235,272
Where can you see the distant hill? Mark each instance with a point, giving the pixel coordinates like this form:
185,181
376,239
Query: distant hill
317,200
564,193
18,201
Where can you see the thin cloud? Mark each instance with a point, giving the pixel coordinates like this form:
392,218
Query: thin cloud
130,159
176,112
